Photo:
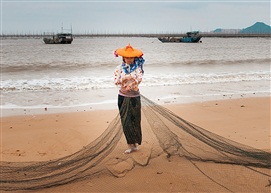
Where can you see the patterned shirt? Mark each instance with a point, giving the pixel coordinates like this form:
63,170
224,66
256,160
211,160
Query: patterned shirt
128,88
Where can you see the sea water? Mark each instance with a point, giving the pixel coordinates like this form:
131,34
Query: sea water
35,75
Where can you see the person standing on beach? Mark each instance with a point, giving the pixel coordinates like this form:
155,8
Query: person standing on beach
128,76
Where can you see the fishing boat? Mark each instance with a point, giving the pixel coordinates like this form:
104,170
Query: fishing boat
60,38
191,37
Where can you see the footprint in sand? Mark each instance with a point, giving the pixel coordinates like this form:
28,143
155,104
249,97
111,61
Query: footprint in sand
141,157
120,169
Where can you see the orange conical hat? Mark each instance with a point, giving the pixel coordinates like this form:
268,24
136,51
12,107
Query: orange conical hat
128,51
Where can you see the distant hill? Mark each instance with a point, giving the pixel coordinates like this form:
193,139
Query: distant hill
258,28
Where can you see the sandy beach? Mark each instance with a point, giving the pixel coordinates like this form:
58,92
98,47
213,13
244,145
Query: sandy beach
49,136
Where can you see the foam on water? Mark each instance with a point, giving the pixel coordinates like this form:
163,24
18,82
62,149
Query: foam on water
90,83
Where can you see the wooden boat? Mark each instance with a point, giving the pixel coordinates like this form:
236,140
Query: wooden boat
191,37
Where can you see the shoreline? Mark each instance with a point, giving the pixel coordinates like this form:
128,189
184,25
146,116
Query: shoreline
102,99
151,35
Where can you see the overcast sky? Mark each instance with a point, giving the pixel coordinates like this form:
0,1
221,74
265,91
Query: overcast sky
149,16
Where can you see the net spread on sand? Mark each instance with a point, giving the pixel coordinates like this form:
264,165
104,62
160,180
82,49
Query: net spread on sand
169,135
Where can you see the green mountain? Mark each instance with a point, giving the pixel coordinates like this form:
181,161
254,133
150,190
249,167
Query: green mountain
257,28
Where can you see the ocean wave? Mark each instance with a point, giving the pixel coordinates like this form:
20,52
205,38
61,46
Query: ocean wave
88,65
211,62
92,83
52,66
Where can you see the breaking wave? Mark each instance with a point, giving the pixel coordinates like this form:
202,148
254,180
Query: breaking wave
89,83
88,65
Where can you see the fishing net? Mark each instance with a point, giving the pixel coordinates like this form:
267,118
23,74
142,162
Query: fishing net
168,135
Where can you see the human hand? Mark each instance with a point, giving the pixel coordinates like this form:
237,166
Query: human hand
127,78
130,83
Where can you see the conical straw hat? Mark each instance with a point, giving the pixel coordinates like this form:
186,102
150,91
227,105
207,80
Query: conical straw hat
128,51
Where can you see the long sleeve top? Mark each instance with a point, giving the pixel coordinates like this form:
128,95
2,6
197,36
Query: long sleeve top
128,79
